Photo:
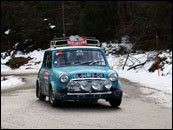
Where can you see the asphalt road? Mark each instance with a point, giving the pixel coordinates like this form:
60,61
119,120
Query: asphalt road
21,109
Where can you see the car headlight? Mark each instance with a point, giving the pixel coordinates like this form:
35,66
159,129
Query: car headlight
108,84
112,77
64,78
84,86
97,85
73,86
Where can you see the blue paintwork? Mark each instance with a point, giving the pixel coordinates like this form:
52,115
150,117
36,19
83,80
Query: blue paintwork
55,72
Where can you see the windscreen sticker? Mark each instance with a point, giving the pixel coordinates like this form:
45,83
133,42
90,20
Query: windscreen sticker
58,53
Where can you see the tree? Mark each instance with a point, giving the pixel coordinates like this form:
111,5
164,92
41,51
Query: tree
105,20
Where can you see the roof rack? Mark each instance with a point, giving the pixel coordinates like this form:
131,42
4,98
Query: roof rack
62,41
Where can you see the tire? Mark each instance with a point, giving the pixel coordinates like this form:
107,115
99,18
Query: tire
40,95
115,102
52,99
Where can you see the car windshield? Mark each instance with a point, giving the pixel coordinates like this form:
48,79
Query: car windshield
79,57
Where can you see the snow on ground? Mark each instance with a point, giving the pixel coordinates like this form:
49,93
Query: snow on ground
32,66
158,88
142,75
10,82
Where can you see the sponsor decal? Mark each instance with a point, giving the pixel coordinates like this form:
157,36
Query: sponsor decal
46,74
76,40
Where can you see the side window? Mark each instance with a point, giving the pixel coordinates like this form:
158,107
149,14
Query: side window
47,61
44,60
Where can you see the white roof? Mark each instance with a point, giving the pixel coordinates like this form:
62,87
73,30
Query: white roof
69,47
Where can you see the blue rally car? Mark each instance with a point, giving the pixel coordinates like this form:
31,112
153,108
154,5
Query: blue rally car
78,71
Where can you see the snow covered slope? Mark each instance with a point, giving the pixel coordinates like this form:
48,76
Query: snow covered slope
32,66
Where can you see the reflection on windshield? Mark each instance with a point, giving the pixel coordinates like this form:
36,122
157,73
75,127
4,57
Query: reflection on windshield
78,57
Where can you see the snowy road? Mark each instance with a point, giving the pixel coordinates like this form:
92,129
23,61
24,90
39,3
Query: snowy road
21,109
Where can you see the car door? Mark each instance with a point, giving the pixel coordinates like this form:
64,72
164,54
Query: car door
45,72
41,73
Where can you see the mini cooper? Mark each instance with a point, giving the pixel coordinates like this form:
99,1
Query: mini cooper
79,71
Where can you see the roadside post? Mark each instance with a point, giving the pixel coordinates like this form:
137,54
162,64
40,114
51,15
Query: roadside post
9,48
157,52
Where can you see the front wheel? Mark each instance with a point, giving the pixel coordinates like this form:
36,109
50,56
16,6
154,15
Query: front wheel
39,94
52,99
115,102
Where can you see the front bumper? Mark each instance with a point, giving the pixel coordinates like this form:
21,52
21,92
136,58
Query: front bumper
64,95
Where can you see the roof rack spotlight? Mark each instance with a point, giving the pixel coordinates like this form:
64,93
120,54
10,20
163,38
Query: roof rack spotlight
74,41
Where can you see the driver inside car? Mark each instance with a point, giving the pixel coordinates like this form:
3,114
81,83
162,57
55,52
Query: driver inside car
59,60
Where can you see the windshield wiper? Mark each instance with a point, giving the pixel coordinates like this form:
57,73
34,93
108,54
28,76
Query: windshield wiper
88,62
83,63
96,62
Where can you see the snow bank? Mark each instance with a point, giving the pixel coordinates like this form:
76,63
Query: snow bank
150,80
10,82
141,74
32,66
